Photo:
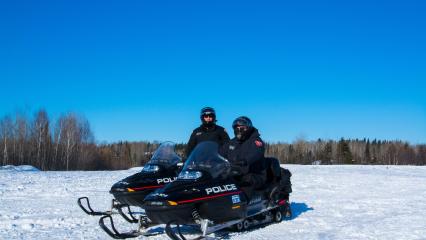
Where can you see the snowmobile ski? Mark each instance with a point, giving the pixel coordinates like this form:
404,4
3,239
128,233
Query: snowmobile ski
89,209
142,230
116,208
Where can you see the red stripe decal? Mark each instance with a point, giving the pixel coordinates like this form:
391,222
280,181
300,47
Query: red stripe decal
147,187
209,197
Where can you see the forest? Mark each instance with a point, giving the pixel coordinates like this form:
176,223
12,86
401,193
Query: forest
68,143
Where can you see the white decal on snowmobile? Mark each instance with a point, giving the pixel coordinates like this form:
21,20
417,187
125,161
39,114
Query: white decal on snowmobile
159,195
255,199
236,199
231,147
166,180
157,203
223,188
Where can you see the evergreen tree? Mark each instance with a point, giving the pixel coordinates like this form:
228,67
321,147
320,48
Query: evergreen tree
327,153
344,154
367,155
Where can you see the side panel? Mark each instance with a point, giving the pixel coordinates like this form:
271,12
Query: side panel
224,208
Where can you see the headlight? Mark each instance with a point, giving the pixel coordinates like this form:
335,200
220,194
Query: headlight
150,168
124,183
190,175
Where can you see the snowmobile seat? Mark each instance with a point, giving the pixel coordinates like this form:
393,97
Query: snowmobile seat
277,176
285,181
278,184
272,170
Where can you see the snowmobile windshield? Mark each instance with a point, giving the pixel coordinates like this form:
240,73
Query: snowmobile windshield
164,156
205,158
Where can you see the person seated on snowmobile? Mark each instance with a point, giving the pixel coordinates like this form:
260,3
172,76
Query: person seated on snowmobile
245,152
208,131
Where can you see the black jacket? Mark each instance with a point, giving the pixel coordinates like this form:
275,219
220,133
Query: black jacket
215,133
248,155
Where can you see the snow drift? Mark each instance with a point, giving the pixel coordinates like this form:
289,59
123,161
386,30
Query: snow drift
20,168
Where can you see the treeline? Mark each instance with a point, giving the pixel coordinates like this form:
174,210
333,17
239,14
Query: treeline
348,152
69,144
66,144
123,155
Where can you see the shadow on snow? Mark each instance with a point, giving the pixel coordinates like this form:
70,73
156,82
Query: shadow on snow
299,208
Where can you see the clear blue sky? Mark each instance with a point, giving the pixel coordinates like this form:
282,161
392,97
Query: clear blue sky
141,70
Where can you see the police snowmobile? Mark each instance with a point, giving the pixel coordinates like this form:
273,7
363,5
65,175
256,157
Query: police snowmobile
162,168
206,195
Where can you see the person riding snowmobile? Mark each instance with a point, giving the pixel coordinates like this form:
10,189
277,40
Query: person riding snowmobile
208,131
245,152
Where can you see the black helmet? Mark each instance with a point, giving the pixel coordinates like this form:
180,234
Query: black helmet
208,111
242,121
246,130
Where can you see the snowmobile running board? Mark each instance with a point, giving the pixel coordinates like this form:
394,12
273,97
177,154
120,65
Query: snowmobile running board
204,225
241,224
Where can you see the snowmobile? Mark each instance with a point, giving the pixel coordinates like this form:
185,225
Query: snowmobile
206,195
162,168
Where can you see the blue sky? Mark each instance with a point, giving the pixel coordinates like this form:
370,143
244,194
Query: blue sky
141,70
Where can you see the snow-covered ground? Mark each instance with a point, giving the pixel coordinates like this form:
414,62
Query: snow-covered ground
329,202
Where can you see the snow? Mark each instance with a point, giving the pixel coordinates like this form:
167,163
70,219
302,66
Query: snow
328,202
18,168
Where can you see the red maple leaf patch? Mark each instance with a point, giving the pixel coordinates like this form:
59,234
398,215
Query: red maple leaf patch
258,143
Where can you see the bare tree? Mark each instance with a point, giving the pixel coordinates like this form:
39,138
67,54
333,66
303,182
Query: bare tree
6,130
41,136
22,134
70,137
57,139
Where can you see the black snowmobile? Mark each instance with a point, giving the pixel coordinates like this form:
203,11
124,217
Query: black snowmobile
205,194
163,168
